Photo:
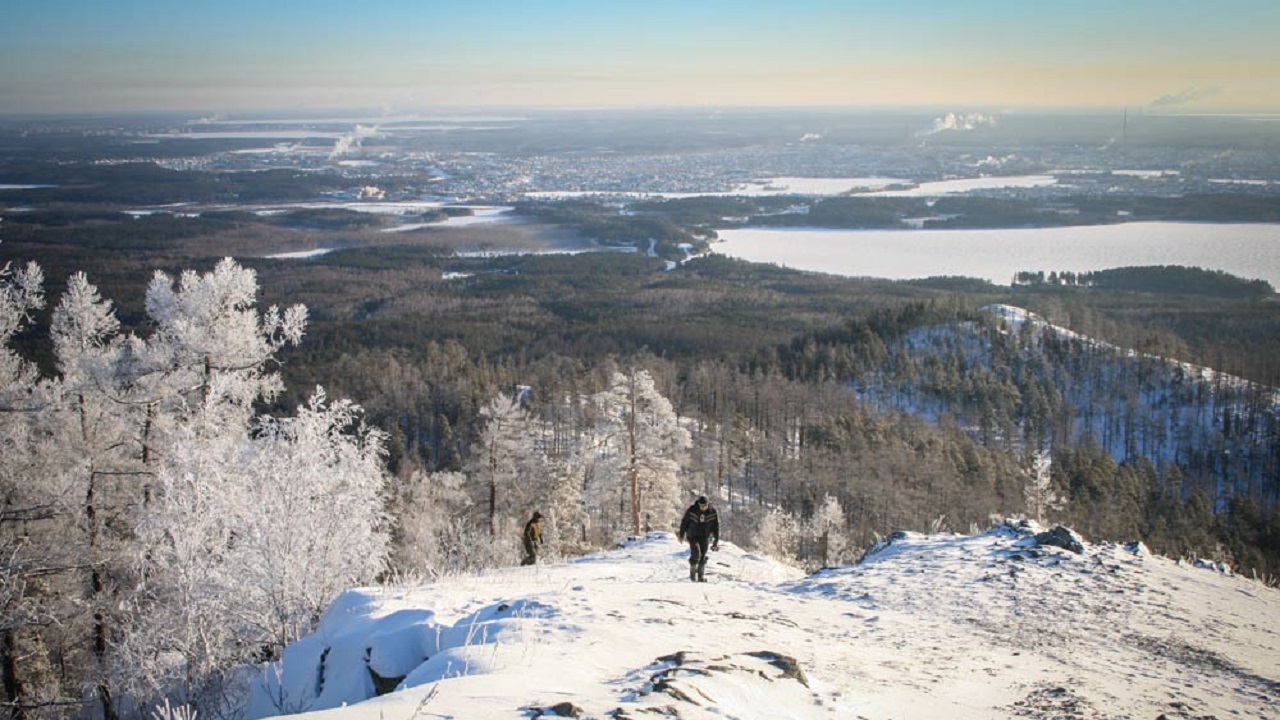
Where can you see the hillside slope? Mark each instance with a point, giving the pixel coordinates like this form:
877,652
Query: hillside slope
992,625
1022,381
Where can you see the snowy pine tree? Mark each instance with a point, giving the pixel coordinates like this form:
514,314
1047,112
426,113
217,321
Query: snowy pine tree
21,293
495,467
1038,490
828,525
640,449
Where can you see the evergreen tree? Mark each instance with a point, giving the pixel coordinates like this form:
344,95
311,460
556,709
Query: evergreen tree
495,464
828,523
640,451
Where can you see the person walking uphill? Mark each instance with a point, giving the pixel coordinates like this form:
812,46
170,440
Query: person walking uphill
701,527
532,538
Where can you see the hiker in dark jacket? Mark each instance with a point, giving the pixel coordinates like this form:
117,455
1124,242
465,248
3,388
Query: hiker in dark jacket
701,527
532,538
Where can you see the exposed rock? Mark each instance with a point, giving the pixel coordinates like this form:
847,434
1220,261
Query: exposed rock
1183,711
788,665
686,685
562,710
1213,565
883,543
384,685
1137,548
1048,701
1062,537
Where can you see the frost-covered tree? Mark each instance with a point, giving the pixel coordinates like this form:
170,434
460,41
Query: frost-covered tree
25,509
252,529
314,523
62,445
434,535
495,467
1038,490
21,293
211,346
127,406
829,526
248,540
566,525
778,536
640,448
21,391
179,538
102,469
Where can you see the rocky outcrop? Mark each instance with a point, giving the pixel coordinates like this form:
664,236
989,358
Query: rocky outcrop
690,686
1062,537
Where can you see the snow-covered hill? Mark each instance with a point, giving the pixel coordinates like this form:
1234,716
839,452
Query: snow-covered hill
993,625
1021,380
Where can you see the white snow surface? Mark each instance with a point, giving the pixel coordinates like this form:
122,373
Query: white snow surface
990,625
300,254
480,215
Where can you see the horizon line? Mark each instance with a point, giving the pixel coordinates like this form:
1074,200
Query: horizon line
374,112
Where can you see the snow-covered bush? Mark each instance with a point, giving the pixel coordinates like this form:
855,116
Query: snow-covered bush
778,536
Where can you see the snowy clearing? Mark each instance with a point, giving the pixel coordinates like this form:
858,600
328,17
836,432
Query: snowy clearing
480,215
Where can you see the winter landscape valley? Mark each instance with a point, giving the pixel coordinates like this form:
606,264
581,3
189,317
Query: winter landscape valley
398,361
314,389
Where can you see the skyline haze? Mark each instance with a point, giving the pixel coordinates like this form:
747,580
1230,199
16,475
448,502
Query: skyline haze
72,56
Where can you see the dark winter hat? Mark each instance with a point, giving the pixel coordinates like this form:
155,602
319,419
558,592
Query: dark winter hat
537,515
702,500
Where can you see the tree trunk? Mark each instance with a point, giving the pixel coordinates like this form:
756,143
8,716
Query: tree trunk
108,707
633,468
9,671
493,507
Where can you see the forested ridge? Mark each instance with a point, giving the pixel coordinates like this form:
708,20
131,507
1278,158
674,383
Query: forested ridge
871,212
159,423
1156,279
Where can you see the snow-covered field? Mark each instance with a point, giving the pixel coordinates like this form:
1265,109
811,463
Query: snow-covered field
964,185
992,625
480,215
300,254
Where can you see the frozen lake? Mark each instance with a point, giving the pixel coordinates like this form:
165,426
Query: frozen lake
1249,250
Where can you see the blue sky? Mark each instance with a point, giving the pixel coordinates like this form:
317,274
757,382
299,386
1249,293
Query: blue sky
235,55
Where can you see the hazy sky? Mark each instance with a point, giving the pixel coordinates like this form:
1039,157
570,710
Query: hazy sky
229,55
